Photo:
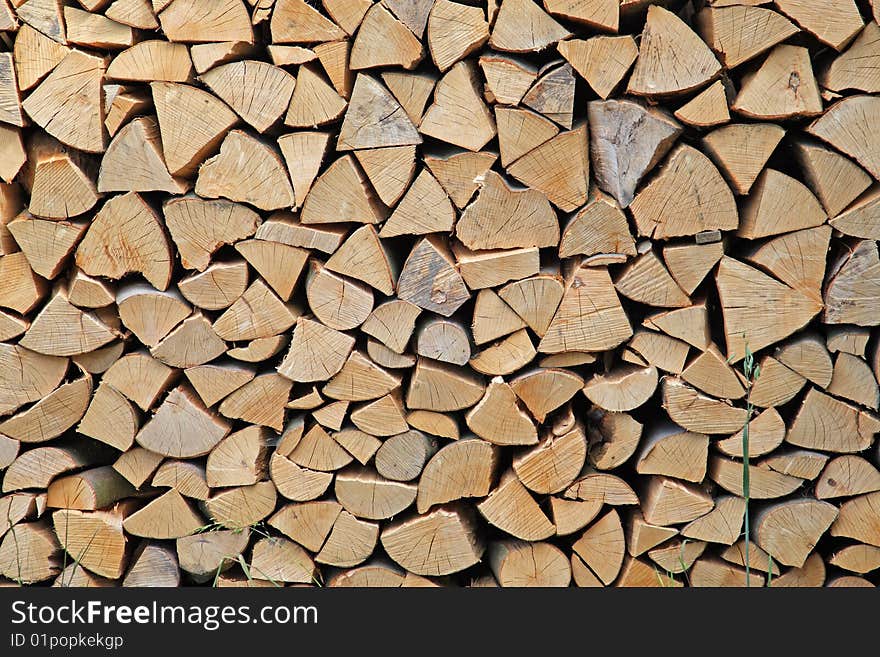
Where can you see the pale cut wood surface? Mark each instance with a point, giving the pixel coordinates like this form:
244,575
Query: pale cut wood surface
439,293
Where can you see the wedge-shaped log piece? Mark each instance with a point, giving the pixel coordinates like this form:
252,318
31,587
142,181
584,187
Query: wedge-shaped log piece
525,216
458,115
63,187
95,30
646,280
182,427
429,279
365,494
168,516
360,379
259,401
859,519
455,31
424,209
790,530
763,482
674,453
783,88
690,324
512,509
316,352
342,193
61,329
97,488
242,160
700,413
126,236
560,168
602,487
857,558
520,564
383,417
382,40
258,92
706,110
602,61
192,343
389,170
797,259
602,547
303,152
205,555
152,61
94,539
237,508
627,140
508,33
766,433
834,23
739,33
852,286
30,553
711,373
505,356
623,389
214,382
258,313
459,470
828,424
401,457
43,15
309,523
318,451
350,543
314,102
439,387
198,21
807,355
297,483
295,21
498,419
68,103
110,418
689,183
603,326
192,124
553,464
670,502
552,95
439,543
220,284
855,68
187,477
374,118
520,131
854,380
134,161
847,476
823,171
723,524
153,565
362,446
745,294
535,300
774,196
544,390
846,125
659,70
614,440
741,150
279,560
508,78
52,415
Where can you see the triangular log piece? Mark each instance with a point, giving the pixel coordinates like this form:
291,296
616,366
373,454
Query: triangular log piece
739,33
134,161
834,23
741,150
659,71
374,119
783,88
687,196
126,236
225,174
382,40
458,115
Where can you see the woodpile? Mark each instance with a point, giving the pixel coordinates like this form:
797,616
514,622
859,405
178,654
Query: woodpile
439,292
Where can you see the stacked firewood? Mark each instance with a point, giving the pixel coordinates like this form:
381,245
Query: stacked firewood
435,292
